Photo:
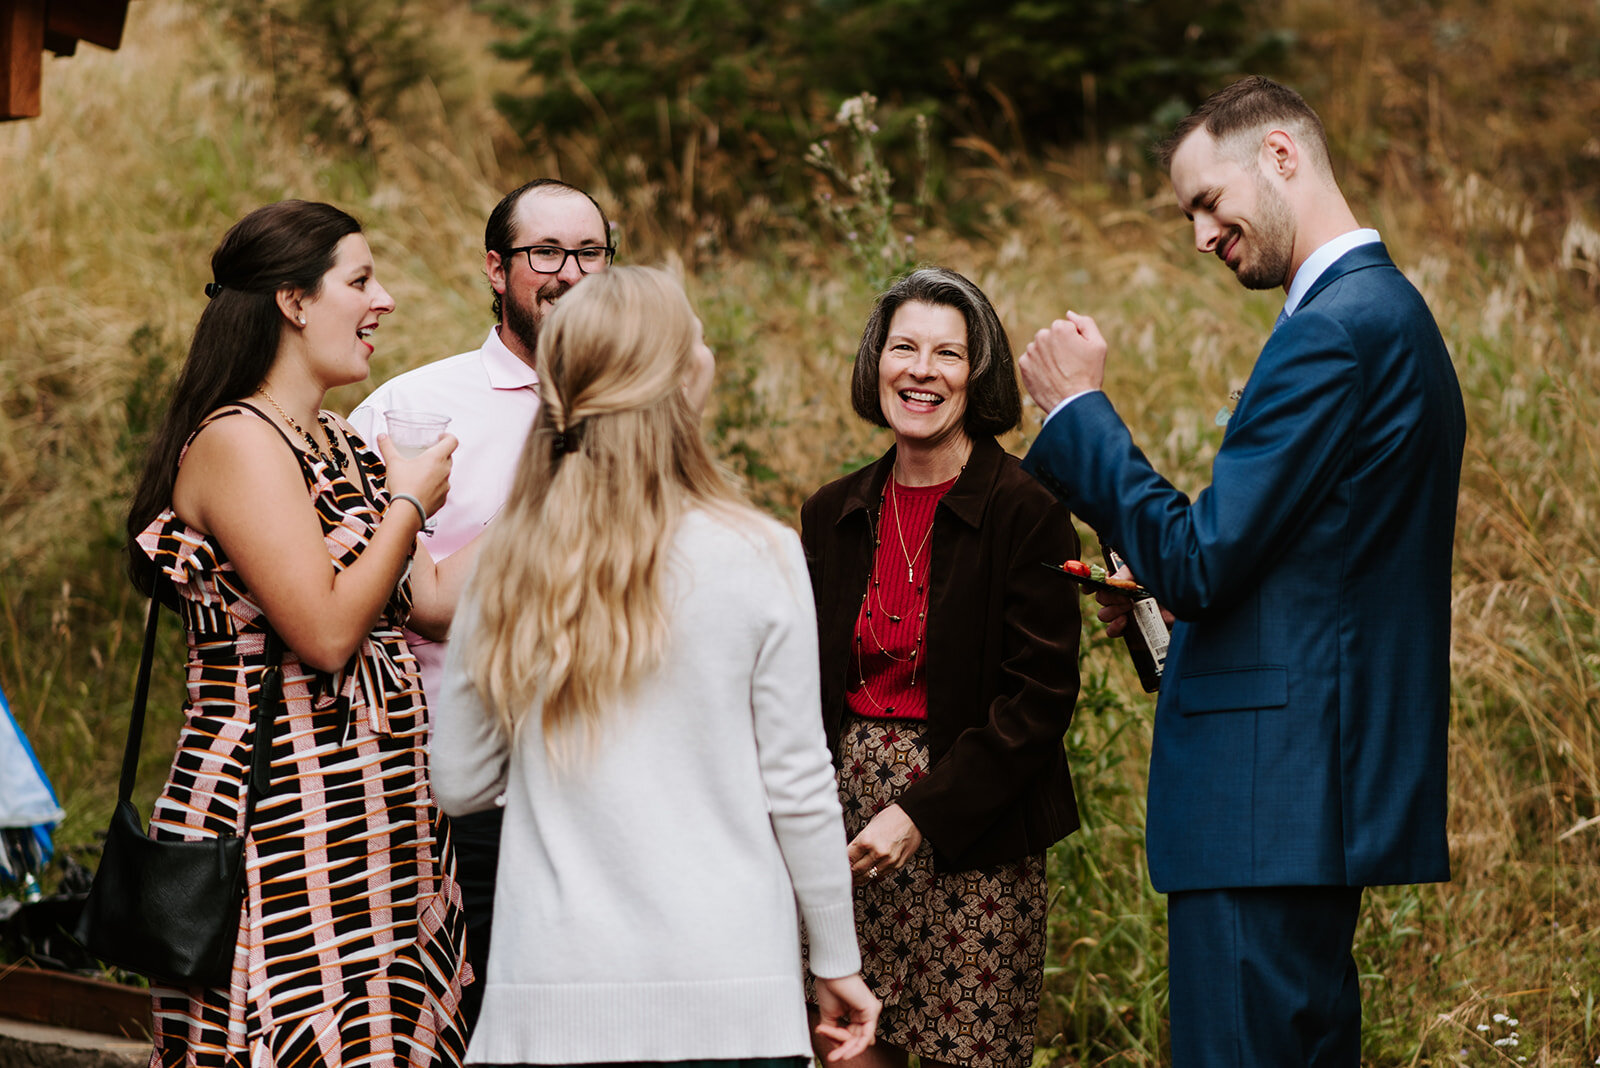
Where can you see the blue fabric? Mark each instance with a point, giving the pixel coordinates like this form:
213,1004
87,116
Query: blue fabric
1264,977
1301,726
27,801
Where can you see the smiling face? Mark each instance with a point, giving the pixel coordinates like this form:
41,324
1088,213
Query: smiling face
560,218
340,318
922,374
1238,214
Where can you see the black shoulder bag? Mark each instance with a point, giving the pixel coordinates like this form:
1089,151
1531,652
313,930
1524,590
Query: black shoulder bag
169,910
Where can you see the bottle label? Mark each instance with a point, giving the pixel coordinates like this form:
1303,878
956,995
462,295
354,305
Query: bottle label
1147,614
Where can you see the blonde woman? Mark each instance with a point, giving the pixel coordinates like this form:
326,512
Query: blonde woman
634,666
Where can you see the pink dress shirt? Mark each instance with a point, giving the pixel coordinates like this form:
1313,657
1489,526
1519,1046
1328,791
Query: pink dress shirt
491,397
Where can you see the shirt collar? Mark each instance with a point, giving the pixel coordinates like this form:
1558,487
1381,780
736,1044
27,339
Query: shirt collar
1320,261
967,498
504,368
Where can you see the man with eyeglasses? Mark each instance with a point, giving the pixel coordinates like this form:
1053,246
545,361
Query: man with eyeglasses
540,241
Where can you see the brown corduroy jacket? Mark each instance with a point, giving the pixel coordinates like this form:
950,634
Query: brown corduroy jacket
1001,648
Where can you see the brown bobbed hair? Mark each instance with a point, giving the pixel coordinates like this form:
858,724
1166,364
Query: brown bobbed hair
994,403
498,232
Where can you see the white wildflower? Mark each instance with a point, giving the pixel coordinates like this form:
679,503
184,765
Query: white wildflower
857,111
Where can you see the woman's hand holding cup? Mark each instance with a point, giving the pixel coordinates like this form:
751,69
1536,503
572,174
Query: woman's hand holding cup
416,451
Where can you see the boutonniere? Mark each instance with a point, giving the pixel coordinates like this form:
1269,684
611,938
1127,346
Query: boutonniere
1226,411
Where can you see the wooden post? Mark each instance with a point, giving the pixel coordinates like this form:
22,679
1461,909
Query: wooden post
96,21
21,57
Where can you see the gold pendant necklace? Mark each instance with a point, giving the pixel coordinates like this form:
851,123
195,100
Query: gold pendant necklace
866,610
910,558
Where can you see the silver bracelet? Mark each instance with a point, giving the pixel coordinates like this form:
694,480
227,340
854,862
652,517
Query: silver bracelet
427,524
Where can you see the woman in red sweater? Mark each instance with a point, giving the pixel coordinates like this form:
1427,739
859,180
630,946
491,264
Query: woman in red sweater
949,673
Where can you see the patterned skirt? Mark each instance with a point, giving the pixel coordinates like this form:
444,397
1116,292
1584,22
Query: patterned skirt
956,957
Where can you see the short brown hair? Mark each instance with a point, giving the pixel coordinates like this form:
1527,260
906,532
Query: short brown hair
498,233
994,404
1246,105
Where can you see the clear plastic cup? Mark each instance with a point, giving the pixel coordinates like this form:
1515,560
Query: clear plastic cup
412,433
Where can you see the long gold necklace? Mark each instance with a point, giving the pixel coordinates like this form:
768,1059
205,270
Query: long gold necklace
910,558
337,460
866,610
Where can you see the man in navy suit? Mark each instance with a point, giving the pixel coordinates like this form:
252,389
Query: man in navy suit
1299,747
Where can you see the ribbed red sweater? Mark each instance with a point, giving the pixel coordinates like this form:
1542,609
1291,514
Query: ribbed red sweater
890,628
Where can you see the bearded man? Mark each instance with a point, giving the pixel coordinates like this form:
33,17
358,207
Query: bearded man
541,240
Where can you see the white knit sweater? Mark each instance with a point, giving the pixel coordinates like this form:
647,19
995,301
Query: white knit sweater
646,902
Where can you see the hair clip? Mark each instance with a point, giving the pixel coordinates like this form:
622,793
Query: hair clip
568,440
212,289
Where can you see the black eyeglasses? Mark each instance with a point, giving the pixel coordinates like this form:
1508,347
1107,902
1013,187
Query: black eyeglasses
549,259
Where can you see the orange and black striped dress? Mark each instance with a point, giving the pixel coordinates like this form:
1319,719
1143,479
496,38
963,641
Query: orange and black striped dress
351,932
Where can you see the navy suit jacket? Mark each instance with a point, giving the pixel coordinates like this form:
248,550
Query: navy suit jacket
1301,726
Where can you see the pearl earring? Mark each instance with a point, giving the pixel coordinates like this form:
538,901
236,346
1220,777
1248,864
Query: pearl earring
301,319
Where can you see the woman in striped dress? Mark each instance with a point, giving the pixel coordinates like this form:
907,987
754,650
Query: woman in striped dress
257,511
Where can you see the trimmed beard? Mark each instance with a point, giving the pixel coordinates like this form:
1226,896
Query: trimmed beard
1274,243
522,319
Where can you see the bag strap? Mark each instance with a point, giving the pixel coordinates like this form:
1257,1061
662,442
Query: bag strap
141,690
269,699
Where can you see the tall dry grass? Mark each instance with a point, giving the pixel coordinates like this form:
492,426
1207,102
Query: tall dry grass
112,201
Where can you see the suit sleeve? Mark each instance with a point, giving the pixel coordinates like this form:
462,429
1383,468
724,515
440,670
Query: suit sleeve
988,767
1284,449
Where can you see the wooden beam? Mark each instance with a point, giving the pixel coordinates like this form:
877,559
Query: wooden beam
96,21
59,43
21,57
59,999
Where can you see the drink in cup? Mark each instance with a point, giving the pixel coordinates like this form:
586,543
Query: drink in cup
412,433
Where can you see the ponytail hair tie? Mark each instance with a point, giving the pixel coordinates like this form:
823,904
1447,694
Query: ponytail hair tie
212,289
568,440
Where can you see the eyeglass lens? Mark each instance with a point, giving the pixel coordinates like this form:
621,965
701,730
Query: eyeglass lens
549,259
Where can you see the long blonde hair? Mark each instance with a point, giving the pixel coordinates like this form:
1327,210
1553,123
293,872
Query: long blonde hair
569,585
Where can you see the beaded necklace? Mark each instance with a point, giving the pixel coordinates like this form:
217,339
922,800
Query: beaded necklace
336,460
866,623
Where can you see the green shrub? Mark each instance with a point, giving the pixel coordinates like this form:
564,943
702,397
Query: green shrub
721,97
340,68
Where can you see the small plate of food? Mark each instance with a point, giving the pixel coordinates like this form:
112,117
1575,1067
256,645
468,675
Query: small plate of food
1094,579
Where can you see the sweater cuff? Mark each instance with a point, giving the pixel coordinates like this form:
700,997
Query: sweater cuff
831,938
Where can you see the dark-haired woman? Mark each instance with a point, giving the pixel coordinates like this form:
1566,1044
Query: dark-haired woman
264,519
949,672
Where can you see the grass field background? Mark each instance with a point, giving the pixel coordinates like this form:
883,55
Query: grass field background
1468,135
